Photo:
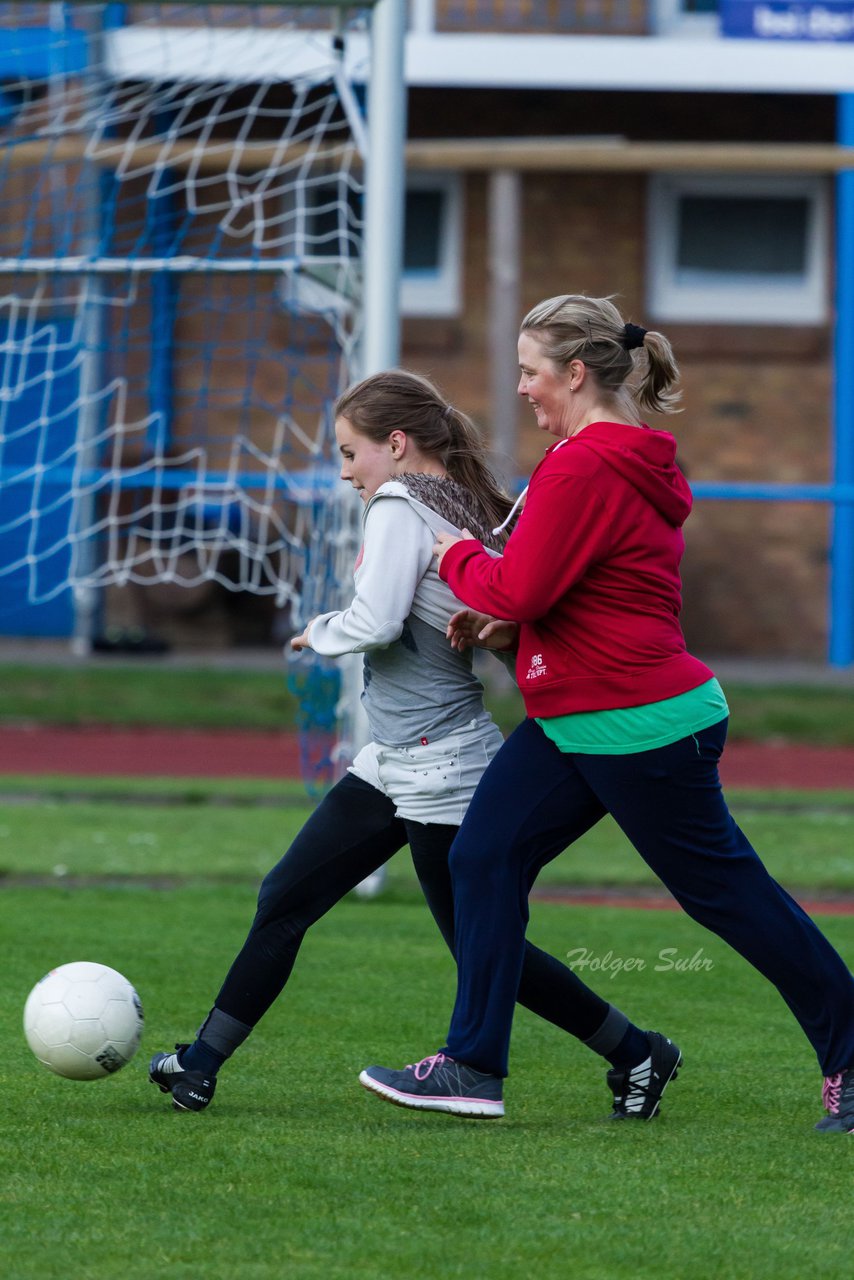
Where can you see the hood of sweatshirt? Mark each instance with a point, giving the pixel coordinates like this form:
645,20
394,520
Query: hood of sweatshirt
646,458
445,507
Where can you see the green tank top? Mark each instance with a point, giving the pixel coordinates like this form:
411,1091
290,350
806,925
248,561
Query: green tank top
625,730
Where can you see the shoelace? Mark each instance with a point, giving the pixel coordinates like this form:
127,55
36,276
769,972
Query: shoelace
637,1085
426,1066
831,1092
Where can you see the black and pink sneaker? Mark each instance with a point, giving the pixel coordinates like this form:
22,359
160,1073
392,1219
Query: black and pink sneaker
438,1083
837,1096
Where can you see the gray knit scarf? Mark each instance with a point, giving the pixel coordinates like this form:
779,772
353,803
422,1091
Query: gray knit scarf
453,501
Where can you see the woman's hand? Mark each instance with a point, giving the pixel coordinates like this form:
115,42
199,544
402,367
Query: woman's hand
301,642
445,540
468,629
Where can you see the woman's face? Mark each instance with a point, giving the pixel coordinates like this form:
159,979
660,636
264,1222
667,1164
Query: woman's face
364,462
546,388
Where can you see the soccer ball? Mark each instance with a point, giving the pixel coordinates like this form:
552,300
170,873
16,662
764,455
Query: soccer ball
83,1021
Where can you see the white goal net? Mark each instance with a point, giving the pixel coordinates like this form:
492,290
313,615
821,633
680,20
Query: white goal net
180,239
180,231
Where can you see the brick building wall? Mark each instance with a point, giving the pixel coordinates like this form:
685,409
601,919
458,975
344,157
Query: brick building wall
756,408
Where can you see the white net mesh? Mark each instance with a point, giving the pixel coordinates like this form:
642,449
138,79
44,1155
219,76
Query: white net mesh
180,231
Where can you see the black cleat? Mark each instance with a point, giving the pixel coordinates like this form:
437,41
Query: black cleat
637,1090
191,1090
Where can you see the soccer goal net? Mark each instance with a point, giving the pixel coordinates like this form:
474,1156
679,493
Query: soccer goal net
180,238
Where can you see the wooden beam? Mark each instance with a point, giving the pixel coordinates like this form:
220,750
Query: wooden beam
617,155
575,155
131,158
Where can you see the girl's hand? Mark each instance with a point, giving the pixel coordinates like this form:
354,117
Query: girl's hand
445,540
302,642
468,629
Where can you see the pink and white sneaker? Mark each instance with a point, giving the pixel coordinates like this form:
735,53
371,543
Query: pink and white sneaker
438,1083
837,1095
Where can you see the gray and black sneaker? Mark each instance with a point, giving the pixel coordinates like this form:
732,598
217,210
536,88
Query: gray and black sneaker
438,1083
191,1090
837,1095
637,1090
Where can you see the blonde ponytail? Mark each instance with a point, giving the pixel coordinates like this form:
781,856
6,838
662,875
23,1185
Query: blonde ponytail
634,366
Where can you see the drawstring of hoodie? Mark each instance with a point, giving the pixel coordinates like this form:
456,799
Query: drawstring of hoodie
511,513
521,498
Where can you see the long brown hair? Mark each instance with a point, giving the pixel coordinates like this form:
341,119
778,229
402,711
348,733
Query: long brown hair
575,327
399,400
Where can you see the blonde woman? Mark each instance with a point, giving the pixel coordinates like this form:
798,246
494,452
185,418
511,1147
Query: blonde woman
622,719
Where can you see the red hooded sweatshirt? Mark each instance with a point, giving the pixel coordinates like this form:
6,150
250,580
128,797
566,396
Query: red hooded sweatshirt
591,572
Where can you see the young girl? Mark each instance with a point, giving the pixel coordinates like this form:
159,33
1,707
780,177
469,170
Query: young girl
418,465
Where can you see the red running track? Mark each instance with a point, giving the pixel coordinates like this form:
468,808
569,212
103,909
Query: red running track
220,753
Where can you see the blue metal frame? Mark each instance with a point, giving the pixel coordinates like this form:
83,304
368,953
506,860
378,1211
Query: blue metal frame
841,602
160,209
749,491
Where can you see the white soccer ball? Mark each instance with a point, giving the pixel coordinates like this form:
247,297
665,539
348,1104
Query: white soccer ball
83,1021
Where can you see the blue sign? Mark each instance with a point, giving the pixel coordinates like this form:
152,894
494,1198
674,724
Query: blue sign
34,53
788,19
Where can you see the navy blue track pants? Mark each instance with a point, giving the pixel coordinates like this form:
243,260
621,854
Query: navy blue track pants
353,831
534,801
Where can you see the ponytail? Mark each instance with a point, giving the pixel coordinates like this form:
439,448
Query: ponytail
397,399
657,389
466,463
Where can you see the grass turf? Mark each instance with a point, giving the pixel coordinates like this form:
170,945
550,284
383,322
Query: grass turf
806,840
145,695
126,694
295,1171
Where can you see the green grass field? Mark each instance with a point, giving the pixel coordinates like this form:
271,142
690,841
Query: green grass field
236,829
145,694
295,1171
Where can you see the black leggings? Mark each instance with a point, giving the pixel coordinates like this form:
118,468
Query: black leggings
351,833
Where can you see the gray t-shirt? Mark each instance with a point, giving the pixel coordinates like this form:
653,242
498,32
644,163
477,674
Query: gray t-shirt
419,687
416,685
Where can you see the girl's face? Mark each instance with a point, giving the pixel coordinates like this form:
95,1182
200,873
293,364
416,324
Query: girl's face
546,388
364,462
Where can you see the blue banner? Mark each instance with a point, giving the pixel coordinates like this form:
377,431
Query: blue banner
787,19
